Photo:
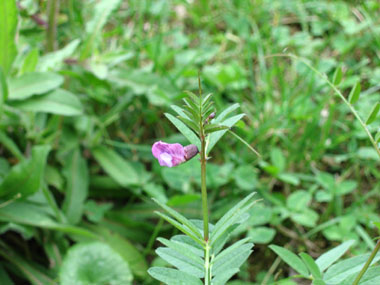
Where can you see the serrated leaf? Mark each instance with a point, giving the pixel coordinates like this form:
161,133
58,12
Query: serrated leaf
355,93
372,115
173,276
181,261
188,133
338,75
310,263
329,257
291,259
180,218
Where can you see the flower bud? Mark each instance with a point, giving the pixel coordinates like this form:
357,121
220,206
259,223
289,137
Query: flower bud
191,150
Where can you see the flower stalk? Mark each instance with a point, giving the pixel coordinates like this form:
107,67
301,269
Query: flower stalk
367,264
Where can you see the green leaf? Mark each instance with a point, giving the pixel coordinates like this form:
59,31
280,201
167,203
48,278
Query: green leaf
310,263
180,218
94,263
232,257
291,259
215,137
8,30
127,251
329,257
371,277
372,116
9,144
182,228
100,14
338,75
60,102
77,178
190,124
3,91
182,262
355,93
54,60
173,276
25,177
337,273
30,270
37,215
30,61
189,134
231,217
211,128
4,277
116,166
261,235
224,276
298,200
33,83
185,249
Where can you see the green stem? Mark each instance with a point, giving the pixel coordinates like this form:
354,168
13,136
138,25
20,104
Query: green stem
207,265
368,263
204,189
51,32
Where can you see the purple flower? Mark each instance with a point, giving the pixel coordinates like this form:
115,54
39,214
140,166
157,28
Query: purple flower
173,154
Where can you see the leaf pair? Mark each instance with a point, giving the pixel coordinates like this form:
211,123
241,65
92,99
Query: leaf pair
190,254
342,273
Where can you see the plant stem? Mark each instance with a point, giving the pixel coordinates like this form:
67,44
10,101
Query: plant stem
204,189
207,265
368,263
51,32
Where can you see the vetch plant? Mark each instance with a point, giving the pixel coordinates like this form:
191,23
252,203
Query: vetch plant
198,253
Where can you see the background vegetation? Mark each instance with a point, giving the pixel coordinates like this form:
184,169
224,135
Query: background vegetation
85,85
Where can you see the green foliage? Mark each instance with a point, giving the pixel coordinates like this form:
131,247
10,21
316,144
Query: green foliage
81,103
94,263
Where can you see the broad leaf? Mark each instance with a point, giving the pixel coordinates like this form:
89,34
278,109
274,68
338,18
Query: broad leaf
8,29
94,263
33,83
60,102
291,259
76,174
329,257
25,177
116,166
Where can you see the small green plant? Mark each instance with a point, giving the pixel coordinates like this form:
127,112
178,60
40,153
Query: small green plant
199,253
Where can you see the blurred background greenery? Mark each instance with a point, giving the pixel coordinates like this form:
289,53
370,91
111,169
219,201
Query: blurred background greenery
88,83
